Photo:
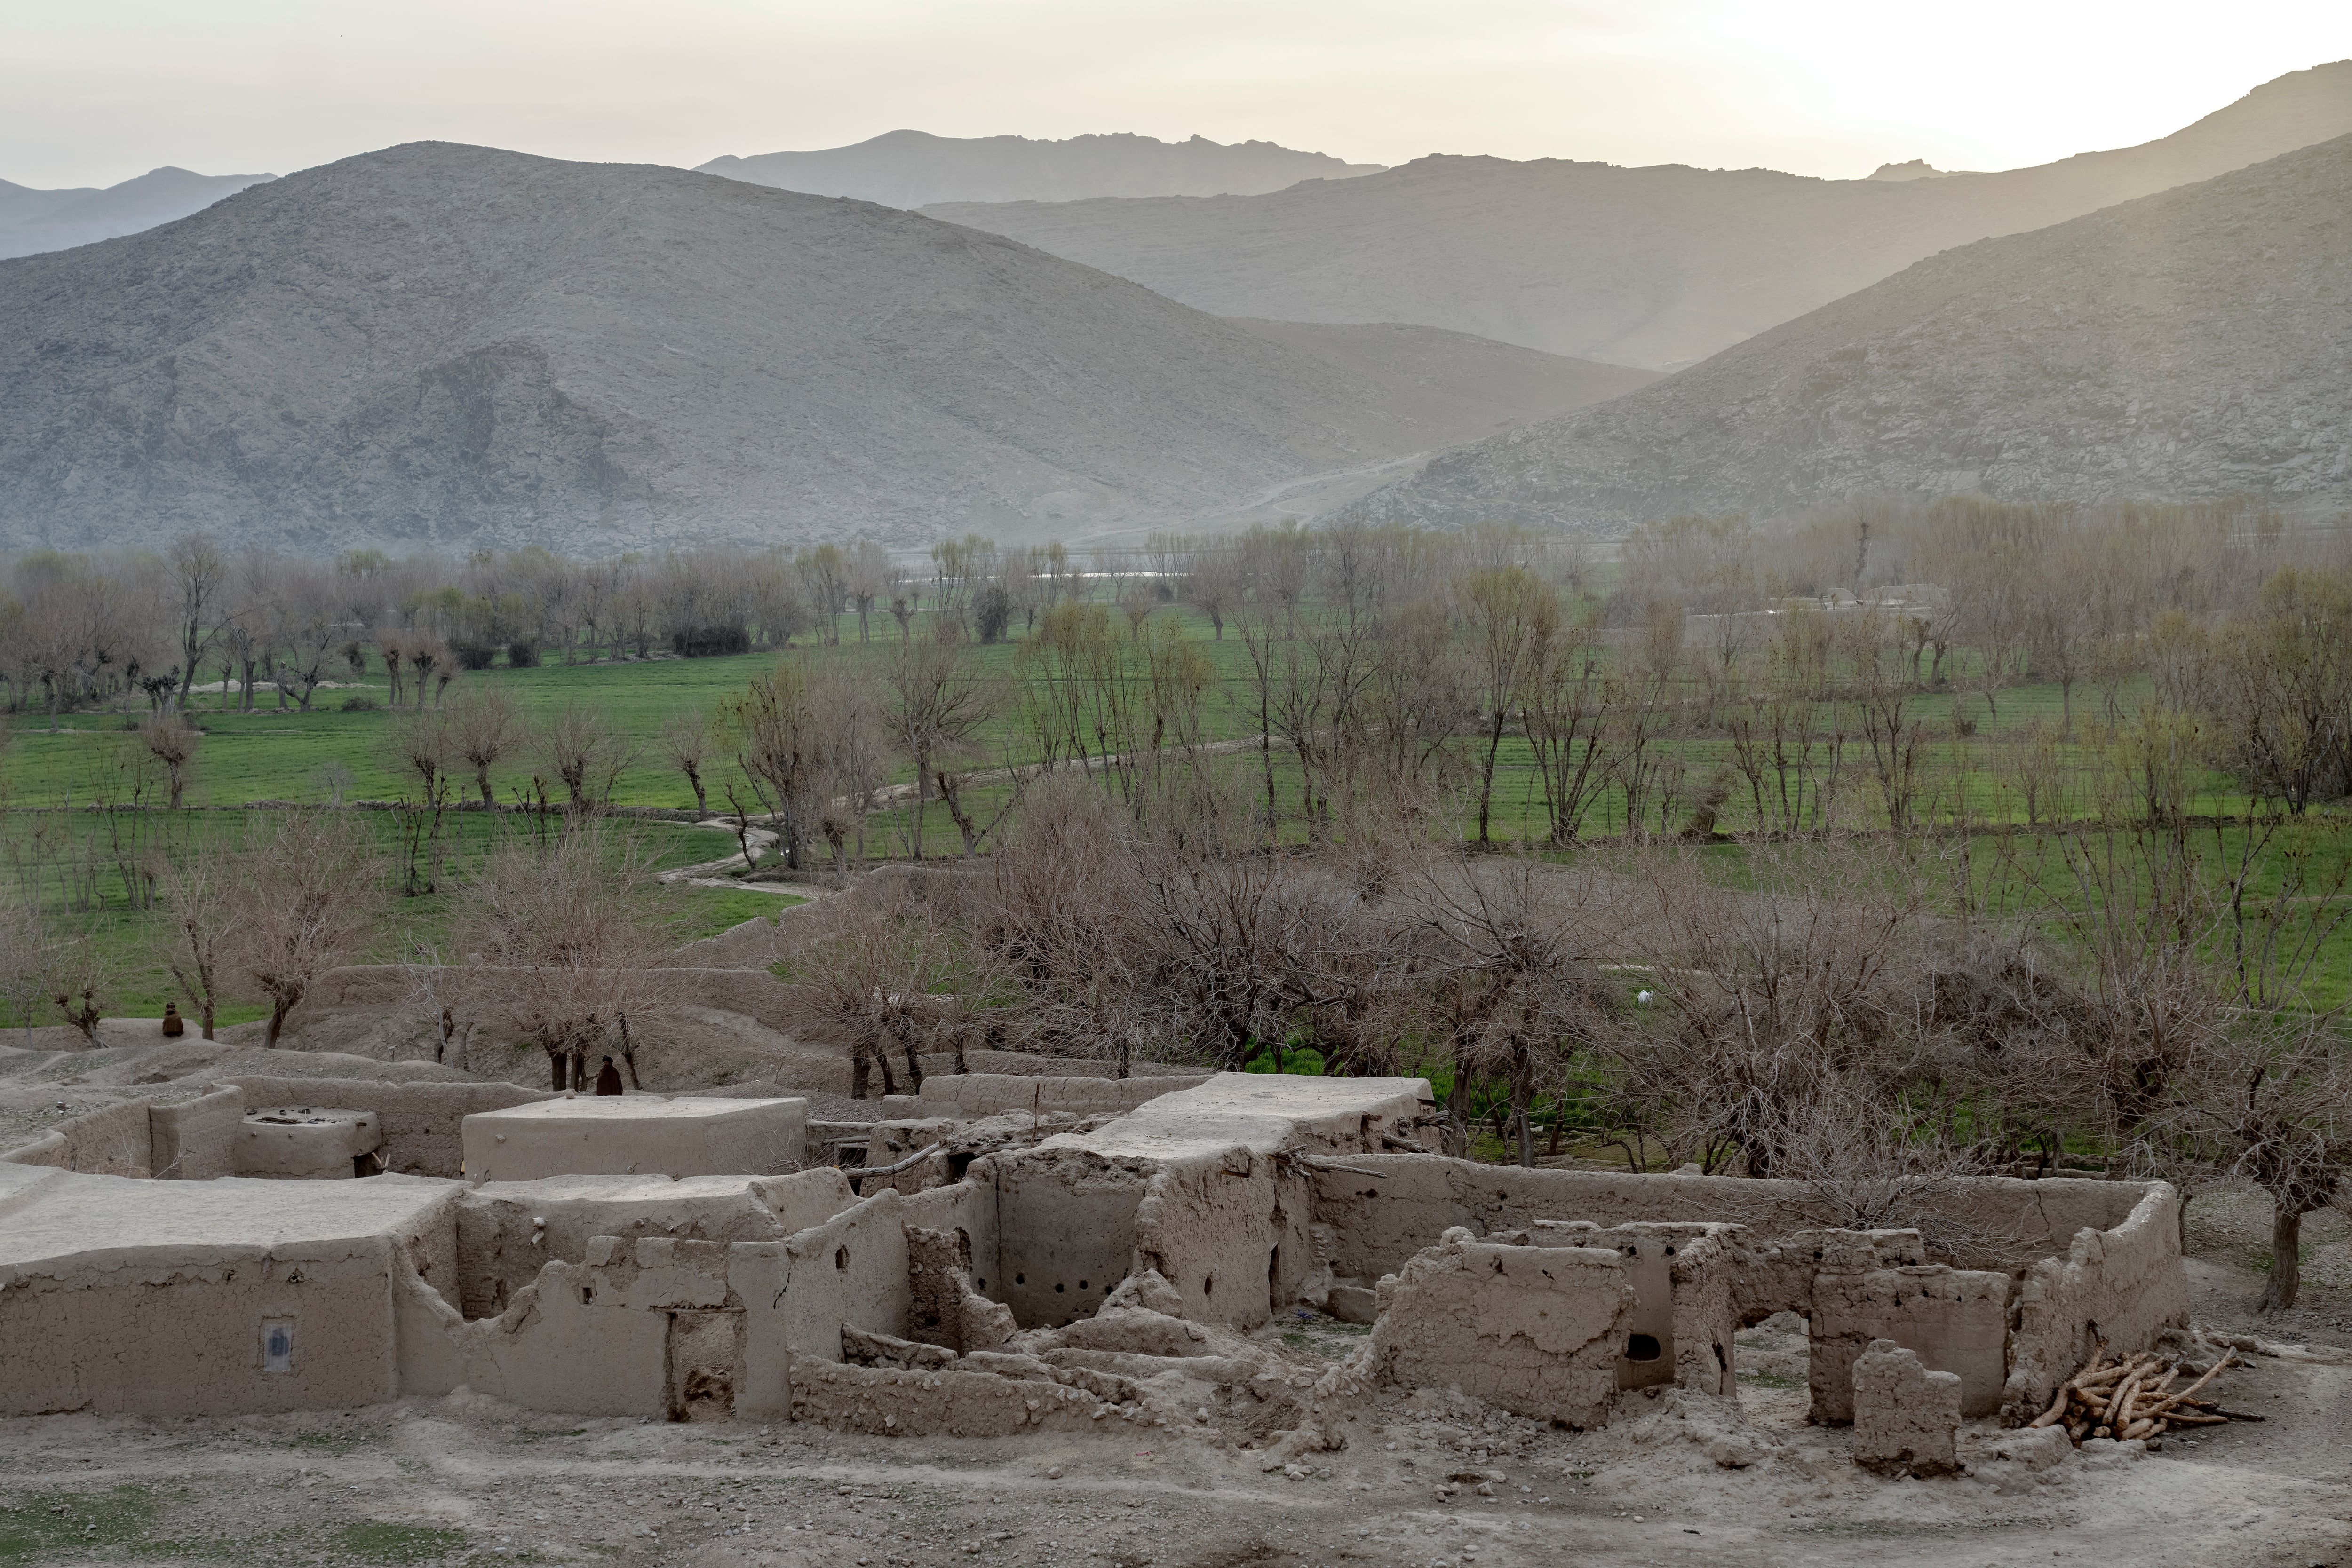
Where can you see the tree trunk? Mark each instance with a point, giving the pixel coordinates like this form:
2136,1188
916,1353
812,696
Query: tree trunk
2286,1258
860,1075
559,1068
1457,1111
1487,783
278,1011
1522,1102
629,1055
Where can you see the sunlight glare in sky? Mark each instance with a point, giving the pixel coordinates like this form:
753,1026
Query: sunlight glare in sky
93,93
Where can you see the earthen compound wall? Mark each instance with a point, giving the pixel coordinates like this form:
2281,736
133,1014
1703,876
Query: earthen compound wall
423,1131
2123,1285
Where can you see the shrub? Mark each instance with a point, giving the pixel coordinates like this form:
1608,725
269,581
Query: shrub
522,656
710,641
475,655
360,701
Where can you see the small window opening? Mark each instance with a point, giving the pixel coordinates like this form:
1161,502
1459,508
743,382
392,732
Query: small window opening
841,1257
1642,1347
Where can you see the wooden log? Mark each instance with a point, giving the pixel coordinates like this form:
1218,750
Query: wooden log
2211,1373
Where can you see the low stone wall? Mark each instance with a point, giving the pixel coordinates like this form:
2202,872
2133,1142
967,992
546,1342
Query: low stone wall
423,1124
944,1402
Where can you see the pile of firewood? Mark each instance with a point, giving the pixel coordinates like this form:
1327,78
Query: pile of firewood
2133,1397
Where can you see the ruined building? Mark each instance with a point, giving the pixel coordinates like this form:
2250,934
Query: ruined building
284,1245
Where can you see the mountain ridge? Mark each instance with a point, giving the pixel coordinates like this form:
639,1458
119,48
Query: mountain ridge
438,346
1656,267
914,168
2191,345
31,221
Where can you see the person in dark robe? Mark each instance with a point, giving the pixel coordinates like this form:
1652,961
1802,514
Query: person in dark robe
608,1078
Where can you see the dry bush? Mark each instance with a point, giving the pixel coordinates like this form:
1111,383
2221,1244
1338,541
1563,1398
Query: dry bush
1812,977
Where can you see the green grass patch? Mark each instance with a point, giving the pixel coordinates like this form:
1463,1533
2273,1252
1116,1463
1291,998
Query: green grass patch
375,1541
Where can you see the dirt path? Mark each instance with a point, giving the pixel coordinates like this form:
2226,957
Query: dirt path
466,1479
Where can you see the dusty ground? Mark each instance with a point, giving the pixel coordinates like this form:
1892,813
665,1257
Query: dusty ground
467,1480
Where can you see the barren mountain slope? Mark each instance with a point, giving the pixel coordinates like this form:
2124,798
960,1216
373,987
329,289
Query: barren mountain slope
450,345
911,168
1657,266
2195,344
33,221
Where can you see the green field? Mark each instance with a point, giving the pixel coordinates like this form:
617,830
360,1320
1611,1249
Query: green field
131,940
1964,784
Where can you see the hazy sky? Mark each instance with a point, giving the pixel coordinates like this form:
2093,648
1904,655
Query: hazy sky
92,92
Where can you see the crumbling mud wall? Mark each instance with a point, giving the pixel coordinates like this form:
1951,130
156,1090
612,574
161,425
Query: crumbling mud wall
1685,1305
1382,1208
1065,1231
666,1327
113,1140
508,1231
1954,1321
423,1124
1229,1231
1535,1330
966,1208
2123,1285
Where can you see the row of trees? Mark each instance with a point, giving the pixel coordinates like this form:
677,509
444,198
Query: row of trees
1871,1026
562,940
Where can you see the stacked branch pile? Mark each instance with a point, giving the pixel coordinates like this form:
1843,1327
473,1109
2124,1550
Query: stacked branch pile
2133,1398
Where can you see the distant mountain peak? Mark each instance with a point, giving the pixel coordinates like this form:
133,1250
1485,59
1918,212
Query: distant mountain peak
33,220
907,168
1915,169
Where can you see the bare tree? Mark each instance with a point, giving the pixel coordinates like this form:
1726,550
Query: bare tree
199,891
566,932
936,702
687,741
308,897
27,956
484,724
585,753
171,741
199,577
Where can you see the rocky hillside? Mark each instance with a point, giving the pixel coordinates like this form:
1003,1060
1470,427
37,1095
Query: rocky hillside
1657,266
2195,344
913,168
446,345
33,221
